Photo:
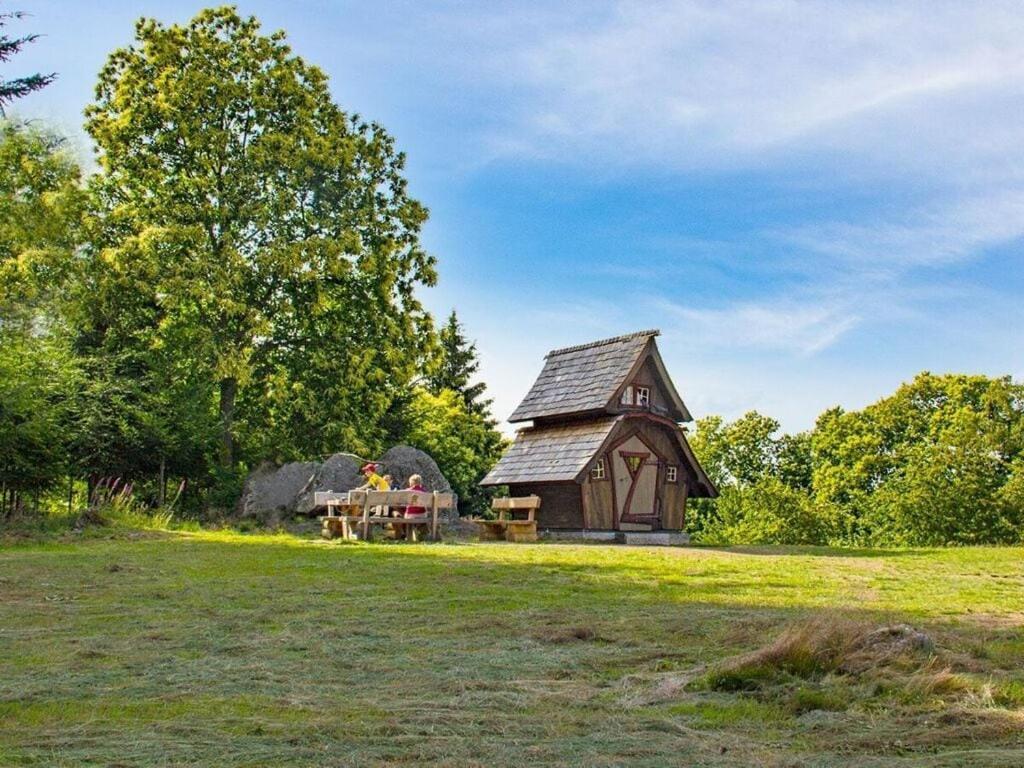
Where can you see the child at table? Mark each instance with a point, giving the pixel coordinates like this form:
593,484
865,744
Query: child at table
374,482
415,484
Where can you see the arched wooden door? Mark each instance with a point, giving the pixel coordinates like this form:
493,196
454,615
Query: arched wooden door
635,474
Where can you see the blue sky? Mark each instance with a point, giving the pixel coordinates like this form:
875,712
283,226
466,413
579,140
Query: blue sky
812,200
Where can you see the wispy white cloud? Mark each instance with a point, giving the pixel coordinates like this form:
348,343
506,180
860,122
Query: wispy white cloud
800,327
938,234
702,83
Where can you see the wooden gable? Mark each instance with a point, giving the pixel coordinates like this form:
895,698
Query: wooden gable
588,380
648,371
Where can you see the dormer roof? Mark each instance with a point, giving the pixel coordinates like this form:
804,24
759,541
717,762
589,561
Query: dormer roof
588,379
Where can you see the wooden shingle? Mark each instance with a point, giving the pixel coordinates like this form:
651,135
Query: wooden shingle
583,378
550,454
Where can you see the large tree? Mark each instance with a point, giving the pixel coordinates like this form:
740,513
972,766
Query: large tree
933,463
256,233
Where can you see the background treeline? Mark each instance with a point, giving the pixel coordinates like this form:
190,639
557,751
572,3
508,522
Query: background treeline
237,280
939,462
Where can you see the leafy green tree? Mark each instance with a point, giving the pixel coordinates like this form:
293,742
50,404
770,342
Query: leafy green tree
41,202
759,473
35,377
925,465
948,491
9,47
267,237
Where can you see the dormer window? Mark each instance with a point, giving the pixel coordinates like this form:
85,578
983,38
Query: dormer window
643,396
627,396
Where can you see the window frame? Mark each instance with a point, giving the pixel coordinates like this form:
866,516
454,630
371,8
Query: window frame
643,393
599,471
671,473
627,395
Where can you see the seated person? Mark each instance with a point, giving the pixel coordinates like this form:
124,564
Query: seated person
415,484
374,482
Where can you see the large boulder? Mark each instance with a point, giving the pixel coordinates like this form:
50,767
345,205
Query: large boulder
339,473
270,491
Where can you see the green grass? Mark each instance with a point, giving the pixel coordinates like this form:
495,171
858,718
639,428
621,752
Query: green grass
228,649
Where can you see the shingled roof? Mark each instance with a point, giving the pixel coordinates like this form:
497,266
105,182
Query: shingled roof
546,454
582,378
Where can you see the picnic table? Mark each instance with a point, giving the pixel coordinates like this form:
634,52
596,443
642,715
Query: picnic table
507,526
355,513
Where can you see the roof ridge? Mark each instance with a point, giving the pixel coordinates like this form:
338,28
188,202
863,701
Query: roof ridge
602,342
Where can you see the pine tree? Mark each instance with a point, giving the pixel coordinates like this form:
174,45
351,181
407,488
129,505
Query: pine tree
455,365
9,46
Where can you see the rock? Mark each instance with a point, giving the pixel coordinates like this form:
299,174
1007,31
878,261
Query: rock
270,492
402,461
339,473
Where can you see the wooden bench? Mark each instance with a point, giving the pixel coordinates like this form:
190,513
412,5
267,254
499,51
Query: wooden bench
507,526
359,511
341,509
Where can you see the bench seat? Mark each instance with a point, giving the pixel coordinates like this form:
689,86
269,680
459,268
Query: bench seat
507,527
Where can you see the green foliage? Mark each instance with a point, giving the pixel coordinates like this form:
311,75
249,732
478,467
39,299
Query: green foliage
766,512
34,375
763,478
255,234
938,462
463,443
41,202
455,364
932,464
41,207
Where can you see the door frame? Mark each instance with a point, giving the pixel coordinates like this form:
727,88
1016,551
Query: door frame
653,519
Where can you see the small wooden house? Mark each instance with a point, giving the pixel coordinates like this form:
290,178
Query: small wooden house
605,450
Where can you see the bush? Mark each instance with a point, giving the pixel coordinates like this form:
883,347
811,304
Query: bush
767,512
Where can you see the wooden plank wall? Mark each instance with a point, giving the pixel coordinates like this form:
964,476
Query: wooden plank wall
560,503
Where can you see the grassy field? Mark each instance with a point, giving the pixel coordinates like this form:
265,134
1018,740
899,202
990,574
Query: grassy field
227,649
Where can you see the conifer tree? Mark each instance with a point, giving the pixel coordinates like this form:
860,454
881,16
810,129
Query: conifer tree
454,366
9,46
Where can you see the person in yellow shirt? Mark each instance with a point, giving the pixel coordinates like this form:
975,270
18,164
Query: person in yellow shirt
374,482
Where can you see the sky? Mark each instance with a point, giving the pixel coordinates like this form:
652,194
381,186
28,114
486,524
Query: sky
813,201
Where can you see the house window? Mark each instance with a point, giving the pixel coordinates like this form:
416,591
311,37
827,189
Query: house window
643,396
671,473
627,396
598,472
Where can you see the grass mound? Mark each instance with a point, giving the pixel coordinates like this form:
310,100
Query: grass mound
834,674
812,649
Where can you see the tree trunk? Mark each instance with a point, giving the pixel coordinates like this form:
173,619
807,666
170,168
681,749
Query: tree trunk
71,493
228,390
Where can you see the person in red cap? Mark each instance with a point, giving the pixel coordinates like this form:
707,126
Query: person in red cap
374,482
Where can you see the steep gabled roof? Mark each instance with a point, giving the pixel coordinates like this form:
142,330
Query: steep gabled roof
582,378
549,454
